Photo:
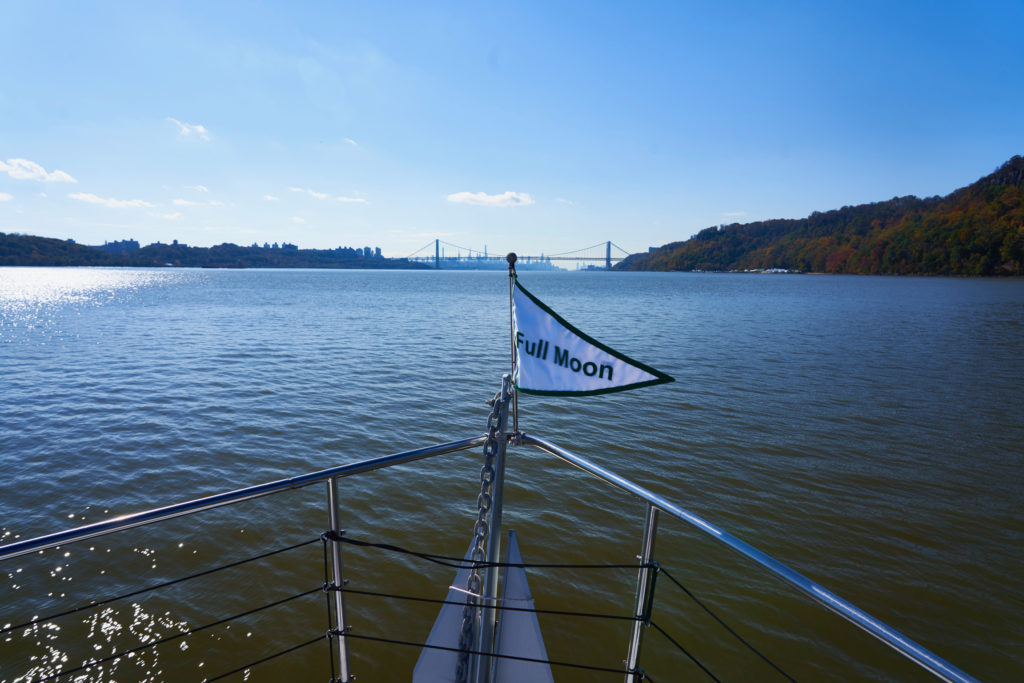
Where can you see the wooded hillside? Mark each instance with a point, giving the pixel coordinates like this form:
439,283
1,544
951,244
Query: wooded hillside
976,230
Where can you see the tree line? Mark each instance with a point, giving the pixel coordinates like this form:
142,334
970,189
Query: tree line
29,250
976,230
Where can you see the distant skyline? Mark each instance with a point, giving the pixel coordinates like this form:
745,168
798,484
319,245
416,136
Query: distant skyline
527,126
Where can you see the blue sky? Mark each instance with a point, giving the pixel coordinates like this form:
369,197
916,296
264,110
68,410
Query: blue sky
527,126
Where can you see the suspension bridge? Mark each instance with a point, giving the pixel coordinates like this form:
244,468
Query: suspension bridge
446,255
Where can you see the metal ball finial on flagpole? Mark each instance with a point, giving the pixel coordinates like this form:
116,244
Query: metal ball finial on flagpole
511,258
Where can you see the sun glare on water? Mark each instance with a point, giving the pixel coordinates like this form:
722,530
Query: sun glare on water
27,294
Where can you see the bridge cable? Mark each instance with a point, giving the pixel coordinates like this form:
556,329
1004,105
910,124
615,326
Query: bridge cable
155,586
472,251
726,626
576,251
420,249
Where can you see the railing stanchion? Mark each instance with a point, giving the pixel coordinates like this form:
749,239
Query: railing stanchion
338,579
643,582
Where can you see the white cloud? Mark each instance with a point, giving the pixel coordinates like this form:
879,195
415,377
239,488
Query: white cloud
271,198
197,188
562,200
43,195
484,199
187,130
311,193
4,197
189,202
23,169
167,216
352,200
112,203
296,219
350,141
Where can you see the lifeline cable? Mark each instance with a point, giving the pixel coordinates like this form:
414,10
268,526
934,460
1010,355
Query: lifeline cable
726,626
489,654
91,664
265,659
460,563
154,587
685,652
506,608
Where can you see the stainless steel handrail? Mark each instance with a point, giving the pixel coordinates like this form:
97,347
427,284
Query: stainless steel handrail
897,641
169,512
888,635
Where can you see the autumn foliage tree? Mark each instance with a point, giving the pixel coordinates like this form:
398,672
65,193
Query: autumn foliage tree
977,230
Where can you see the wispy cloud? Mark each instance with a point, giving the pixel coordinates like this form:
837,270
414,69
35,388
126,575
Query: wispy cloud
197,188
311,193
297,219
563,200
4,197
187,130
23,169
111,202
189,202
484,199
350,141
352,200
167,216
271,198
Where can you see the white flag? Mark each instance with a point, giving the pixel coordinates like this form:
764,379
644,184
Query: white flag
554,358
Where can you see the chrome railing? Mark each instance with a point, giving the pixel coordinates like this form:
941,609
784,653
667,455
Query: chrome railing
655,504
218,500
888,635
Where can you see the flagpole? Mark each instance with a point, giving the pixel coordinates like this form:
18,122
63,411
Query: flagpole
511,258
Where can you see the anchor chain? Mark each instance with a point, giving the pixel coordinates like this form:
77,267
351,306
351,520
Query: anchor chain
480,533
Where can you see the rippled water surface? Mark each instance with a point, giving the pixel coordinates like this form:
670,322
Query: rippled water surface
865,431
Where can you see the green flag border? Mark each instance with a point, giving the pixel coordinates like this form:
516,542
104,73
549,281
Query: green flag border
662,378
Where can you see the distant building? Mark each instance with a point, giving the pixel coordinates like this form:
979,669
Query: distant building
119,247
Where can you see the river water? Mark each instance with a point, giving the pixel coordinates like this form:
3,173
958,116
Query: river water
867,432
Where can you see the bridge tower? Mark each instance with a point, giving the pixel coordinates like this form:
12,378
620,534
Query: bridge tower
437,253
608,255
